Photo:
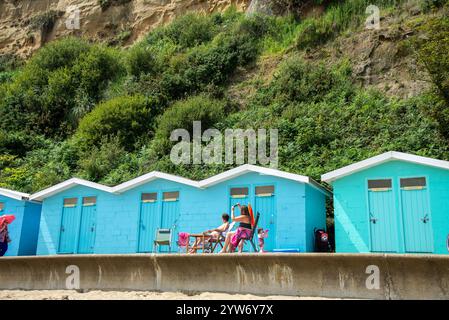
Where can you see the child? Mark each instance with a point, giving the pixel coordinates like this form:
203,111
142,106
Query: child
262,234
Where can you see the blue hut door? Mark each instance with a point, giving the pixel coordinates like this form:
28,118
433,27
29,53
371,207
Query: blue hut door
87,226
148,222
382,216
239,195
69,223
170,215
416,215
266,206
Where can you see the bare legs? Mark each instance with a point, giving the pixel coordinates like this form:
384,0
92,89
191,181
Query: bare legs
227,242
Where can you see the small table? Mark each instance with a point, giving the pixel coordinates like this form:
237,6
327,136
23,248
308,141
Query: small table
201,238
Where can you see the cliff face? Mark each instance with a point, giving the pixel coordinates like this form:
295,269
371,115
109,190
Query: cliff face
25,25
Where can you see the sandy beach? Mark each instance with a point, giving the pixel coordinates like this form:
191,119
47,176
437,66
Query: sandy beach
133,295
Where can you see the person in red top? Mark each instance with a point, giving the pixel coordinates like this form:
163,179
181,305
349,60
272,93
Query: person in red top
4,237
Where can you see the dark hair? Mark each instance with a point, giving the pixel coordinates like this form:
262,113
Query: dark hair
244,211
225,217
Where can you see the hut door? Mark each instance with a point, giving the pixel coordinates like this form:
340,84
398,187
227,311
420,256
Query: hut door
266,206
239,195
67,235
416,215
149,220
382,216
170,215
87,227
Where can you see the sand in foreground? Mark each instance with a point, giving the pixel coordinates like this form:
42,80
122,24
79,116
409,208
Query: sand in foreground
131,295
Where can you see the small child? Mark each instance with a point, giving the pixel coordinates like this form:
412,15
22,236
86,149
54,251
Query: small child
262,234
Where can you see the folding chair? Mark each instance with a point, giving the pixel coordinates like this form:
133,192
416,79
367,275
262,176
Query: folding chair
163,238
219,242
253,231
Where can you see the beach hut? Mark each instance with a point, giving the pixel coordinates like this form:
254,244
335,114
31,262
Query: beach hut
23,231
79,216
394,203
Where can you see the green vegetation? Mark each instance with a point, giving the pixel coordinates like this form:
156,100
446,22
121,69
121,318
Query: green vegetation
103,113
433,55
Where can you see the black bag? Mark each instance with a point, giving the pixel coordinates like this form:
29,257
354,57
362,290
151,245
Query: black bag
321,240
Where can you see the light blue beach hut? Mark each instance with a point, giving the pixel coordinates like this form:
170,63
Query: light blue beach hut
394,202
23,231
79,216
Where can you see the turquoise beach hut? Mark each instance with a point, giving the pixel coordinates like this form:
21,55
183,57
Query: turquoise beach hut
394,202
79,216
23,231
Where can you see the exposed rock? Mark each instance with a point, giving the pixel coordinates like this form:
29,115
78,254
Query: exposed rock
126,21
380,59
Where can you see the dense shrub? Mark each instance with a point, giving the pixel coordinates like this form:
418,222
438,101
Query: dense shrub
140,60
338,17
128,118
189,30
297,81
182,114
433,55
60,84
100,160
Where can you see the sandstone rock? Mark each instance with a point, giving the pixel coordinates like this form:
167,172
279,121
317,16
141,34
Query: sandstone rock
136,17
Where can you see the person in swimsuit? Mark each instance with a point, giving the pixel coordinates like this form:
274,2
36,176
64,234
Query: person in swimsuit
233,238
215,233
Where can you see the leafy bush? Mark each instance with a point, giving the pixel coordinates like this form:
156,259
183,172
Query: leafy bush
187,31
337,18
297,81
140,60
61,83
128,118
433,55
182,114
9,62
100,160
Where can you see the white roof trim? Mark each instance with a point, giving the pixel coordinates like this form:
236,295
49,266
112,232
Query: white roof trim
247,168
227,175
41,195
384,157
14,194
150,177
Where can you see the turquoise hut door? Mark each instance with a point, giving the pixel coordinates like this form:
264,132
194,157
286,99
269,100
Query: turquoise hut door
149,220
239,195
170,215
382,216
266,206
69,223
87,227
416,215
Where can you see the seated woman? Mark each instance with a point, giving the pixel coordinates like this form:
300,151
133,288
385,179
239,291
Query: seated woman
214,233
233,238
